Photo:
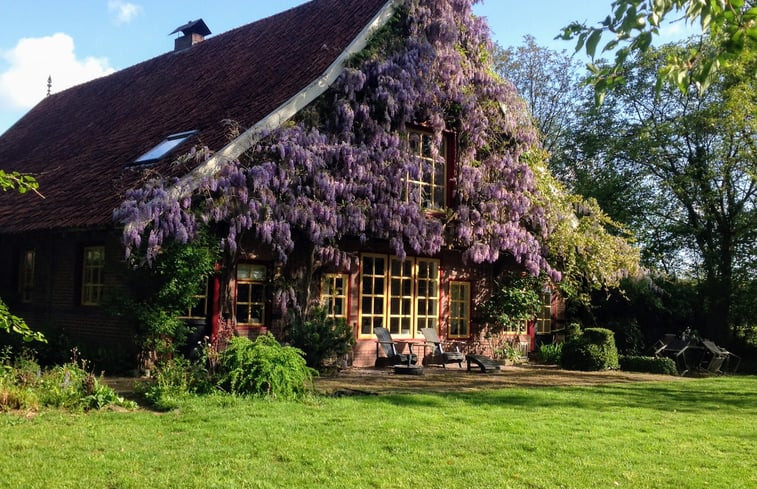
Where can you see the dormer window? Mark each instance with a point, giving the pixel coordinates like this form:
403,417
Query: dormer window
429,184
164,147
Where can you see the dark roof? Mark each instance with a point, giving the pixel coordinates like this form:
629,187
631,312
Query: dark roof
81,141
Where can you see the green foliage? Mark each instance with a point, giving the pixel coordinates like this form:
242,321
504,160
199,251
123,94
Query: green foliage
592,251
691,173
634,23
516,298
173,380
628,336
72,386
321,337
593,350
19,182
573,331
508,352
15,325
550,354
264,368
652,365
165,291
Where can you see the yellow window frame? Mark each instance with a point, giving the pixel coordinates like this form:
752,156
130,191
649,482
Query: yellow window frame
251,276
544,319
459,309
332,294
92,282
431,185
26,275
427,285
400,307
372,314
200,310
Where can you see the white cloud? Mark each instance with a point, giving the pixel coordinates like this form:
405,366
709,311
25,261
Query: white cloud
24,82
124,11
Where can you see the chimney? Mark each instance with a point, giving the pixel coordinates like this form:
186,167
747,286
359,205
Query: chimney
192,32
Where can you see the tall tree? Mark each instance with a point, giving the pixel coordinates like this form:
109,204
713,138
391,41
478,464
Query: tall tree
694,156
549,83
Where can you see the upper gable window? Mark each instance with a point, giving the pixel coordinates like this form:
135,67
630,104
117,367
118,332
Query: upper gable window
429,185
164,147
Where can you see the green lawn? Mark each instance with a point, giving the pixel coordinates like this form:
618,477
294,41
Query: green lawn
694,434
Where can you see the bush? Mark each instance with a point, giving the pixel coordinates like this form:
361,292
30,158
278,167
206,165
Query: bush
593,350
264,368
173,379
321,337
550,353
573,330
25,385
653,365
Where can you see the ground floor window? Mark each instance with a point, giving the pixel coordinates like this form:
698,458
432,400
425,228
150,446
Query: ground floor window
519,327
334,294
93,264
459,309
544,318
401,295
250,300
26,275
200,309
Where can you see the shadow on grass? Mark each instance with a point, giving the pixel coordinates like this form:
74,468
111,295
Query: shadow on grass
736,395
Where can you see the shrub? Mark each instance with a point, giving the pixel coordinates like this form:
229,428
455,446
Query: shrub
264,368
321,337
550,353
24,385
573,330
653,365
173,379
593,350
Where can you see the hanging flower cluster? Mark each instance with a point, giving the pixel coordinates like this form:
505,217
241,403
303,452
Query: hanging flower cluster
340,170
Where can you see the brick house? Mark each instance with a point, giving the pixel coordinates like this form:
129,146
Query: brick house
61,257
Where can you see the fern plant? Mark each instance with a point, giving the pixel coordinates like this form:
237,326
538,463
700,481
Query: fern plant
264,368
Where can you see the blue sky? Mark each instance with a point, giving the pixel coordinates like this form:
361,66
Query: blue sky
74,41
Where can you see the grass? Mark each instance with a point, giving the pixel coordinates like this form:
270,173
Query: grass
693,434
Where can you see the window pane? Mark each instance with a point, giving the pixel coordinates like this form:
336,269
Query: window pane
243,292
338,307
257,292
242,313
365,326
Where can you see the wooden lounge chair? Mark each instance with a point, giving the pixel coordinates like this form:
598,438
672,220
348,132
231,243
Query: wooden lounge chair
438,355
392,357
485,363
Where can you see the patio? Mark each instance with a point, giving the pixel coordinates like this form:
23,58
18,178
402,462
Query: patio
357,381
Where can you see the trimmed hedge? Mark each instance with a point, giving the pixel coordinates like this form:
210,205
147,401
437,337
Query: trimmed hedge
593,350
652,365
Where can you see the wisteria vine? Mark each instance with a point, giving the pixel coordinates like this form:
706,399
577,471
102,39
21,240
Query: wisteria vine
338,171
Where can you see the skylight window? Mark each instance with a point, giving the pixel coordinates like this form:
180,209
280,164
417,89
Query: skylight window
164,147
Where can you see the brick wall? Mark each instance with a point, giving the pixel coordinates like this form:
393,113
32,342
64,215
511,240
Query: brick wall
55,305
